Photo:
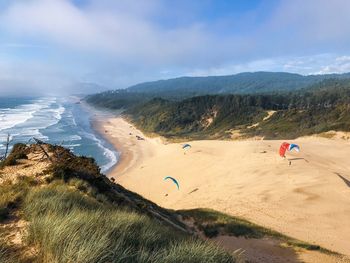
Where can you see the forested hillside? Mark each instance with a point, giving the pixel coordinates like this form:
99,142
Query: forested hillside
187,87
318,108
242,83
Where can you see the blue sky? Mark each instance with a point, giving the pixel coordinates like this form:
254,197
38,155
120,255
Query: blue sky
49,46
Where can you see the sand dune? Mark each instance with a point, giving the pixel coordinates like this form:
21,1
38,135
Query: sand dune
308,200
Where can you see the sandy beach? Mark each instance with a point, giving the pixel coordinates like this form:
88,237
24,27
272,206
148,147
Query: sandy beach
308,200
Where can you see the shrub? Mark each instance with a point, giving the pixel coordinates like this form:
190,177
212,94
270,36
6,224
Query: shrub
18,152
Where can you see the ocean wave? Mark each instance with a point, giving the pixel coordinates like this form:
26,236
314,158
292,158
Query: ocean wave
71,146
71,118
56,121
9,118
74,138
42,108
29,133
112,156
57,113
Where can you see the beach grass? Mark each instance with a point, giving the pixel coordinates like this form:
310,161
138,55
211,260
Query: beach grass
68,225
9,253
12,193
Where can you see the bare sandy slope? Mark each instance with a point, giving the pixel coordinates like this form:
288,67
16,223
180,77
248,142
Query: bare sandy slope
308,200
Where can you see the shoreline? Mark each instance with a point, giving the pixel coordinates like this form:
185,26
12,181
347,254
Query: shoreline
125,157
295,200
121,134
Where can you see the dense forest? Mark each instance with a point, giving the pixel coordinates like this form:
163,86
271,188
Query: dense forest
242,83
318,108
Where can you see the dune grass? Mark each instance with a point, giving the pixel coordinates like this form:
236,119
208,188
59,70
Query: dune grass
213,223
8,254
71,226
11,194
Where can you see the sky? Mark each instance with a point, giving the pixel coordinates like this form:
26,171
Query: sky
50,46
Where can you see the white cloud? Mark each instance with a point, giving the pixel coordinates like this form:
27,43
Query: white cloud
100,30
305,65
122,42
339,65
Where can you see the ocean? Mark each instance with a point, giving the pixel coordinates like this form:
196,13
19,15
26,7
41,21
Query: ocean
62,121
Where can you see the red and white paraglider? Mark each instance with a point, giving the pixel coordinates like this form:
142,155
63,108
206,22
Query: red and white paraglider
288,147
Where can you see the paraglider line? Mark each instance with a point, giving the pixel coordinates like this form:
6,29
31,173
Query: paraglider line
296,159
346,181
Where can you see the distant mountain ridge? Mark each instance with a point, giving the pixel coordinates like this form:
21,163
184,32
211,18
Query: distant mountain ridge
243,83
181,88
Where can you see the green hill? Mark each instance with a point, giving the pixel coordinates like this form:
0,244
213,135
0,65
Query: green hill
187,87
242,83
320,108
316,108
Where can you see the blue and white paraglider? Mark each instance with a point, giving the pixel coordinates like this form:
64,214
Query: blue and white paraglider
295,147
174,180
286,146
186,146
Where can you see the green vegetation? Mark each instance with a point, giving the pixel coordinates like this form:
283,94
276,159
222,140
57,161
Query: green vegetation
7,253
16,154
11,195
116,100
318,109
213,223
294,122
68,226
197,117
187,87
242,83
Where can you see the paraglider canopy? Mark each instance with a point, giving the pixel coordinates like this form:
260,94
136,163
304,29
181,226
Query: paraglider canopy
174,180
186,146
283,148
287,146
294,147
